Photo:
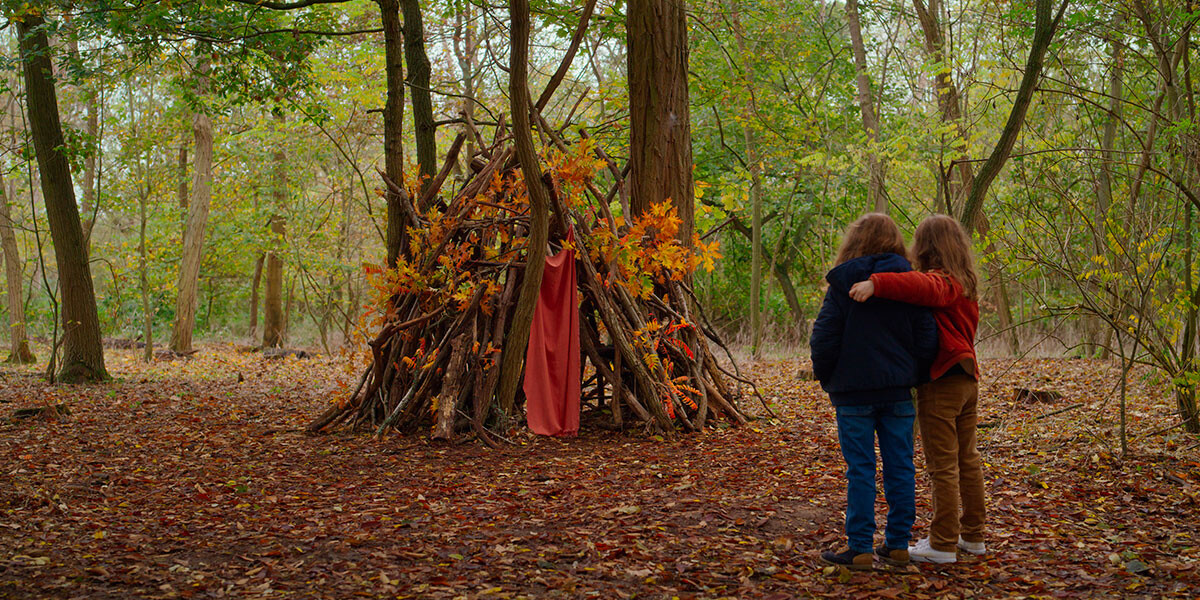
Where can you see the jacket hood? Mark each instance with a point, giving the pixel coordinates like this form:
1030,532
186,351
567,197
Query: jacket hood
860,269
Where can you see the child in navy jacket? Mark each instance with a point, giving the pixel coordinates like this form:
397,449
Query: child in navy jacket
868,357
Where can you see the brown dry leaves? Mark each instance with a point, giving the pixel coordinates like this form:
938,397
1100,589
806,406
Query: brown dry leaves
180,481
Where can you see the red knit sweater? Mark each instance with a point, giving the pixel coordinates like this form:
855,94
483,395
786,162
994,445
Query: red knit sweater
957,316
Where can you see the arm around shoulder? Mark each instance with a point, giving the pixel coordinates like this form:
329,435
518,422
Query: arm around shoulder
914,287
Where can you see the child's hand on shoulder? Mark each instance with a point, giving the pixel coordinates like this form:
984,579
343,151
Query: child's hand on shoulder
862,290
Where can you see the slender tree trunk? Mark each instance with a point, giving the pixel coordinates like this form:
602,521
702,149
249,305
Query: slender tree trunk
92,123
181,190
1104,197
143,279
252,331
1046,24
197,219
418,84
273,322
517,340
866,106
660,138
754,164
19,352
949,99
83,352
393,127
464,50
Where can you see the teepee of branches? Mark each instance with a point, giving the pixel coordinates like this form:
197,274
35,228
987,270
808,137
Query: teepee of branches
450,301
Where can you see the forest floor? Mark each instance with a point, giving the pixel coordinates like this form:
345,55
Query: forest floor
178,479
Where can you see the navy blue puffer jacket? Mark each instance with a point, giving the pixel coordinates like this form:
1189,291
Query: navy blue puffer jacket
871,352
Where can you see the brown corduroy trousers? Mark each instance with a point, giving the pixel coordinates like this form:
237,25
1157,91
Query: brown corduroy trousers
947,414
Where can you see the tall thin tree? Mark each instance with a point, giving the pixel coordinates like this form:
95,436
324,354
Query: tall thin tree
83,351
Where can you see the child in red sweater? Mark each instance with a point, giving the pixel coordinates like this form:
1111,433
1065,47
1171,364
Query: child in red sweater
945,280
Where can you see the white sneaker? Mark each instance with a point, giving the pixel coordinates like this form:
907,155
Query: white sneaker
923,552
976,548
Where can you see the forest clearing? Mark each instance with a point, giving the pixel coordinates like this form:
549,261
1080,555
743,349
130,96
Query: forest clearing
179,480
600,298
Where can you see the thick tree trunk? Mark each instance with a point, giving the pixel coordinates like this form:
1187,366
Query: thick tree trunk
252,330
866,106
19,351
393,128
197,220
83,352
517,339
660,137
418,83
273,321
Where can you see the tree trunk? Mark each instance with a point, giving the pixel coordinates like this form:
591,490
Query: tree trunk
89,172
464,50
866,106
1107,142
393,128
252,331
418,83
197,219
517,339
19,352
949,100
452,386
660,138
83,352
143,279
273,324
1045,25
754,164
181,190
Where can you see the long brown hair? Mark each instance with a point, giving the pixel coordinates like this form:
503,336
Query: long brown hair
941,243
872,233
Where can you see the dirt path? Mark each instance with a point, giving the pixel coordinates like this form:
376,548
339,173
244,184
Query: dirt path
181,481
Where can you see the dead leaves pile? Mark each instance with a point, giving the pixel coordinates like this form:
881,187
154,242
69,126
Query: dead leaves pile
178,480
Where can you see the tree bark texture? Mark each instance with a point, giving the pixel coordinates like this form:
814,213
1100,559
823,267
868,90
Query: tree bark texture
92,123
197,220
19,352
517,339
181,190
393,128
83,352
418,83
273,321
866,105
660,144
252,331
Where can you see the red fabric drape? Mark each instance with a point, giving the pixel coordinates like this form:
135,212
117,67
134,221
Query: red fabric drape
552,375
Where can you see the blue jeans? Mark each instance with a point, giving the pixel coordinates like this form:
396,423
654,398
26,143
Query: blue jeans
857,428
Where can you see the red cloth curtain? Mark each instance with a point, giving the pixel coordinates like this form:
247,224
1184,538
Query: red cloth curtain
552,375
